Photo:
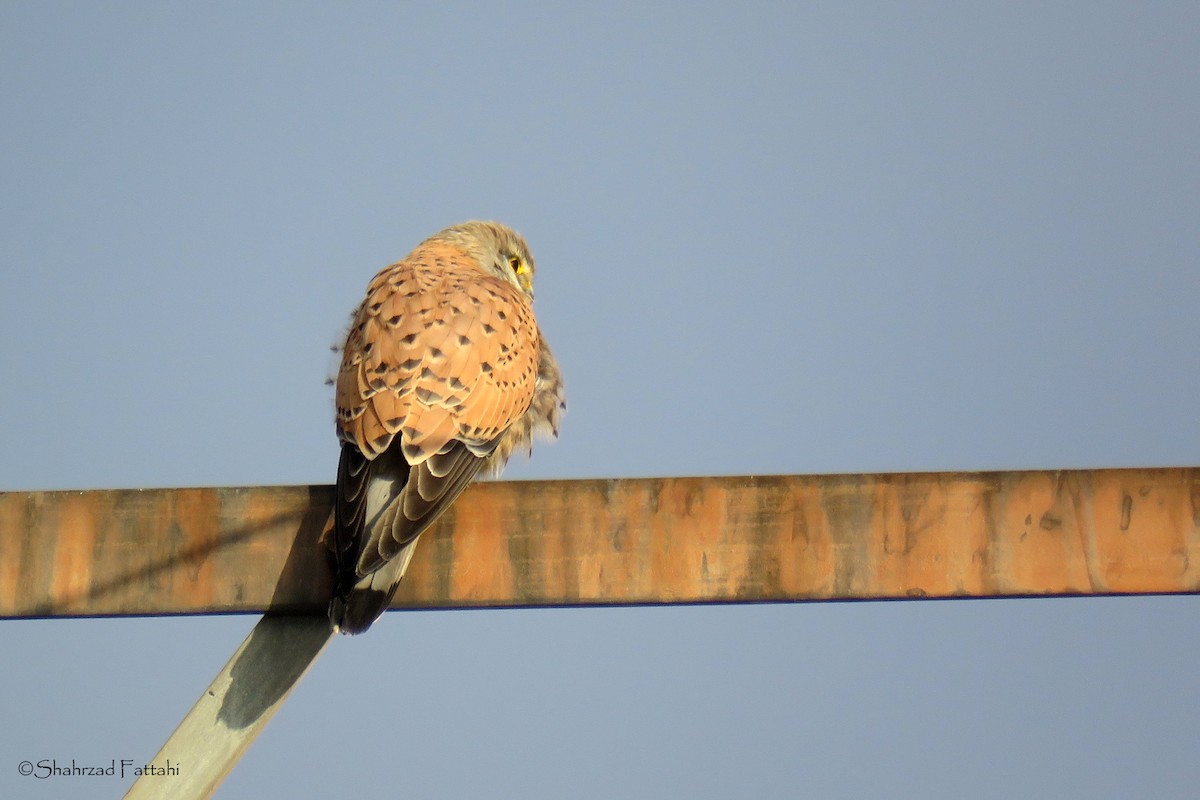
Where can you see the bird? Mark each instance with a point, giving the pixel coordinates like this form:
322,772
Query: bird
444,374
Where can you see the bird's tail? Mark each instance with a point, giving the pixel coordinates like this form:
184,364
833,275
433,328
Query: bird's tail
354,608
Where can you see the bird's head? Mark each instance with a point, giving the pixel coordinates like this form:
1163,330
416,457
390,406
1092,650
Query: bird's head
499,249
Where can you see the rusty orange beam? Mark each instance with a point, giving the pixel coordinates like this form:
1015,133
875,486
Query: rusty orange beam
668,540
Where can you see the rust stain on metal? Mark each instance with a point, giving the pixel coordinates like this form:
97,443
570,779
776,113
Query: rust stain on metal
662,540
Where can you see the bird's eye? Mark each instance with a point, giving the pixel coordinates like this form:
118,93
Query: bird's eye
516,264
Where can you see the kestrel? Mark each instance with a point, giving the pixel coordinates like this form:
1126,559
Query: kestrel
444,375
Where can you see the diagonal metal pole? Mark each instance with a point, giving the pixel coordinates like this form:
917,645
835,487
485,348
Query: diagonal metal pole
235,708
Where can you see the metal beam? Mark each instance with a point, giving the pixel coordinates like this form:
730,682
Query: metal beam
662,540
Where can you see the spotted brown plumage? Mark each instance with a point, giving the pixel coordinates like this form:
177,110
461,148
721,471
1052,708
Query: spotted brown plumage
444,375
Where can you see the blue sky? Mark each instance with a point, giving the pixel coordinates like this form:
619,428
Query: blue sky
780,238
